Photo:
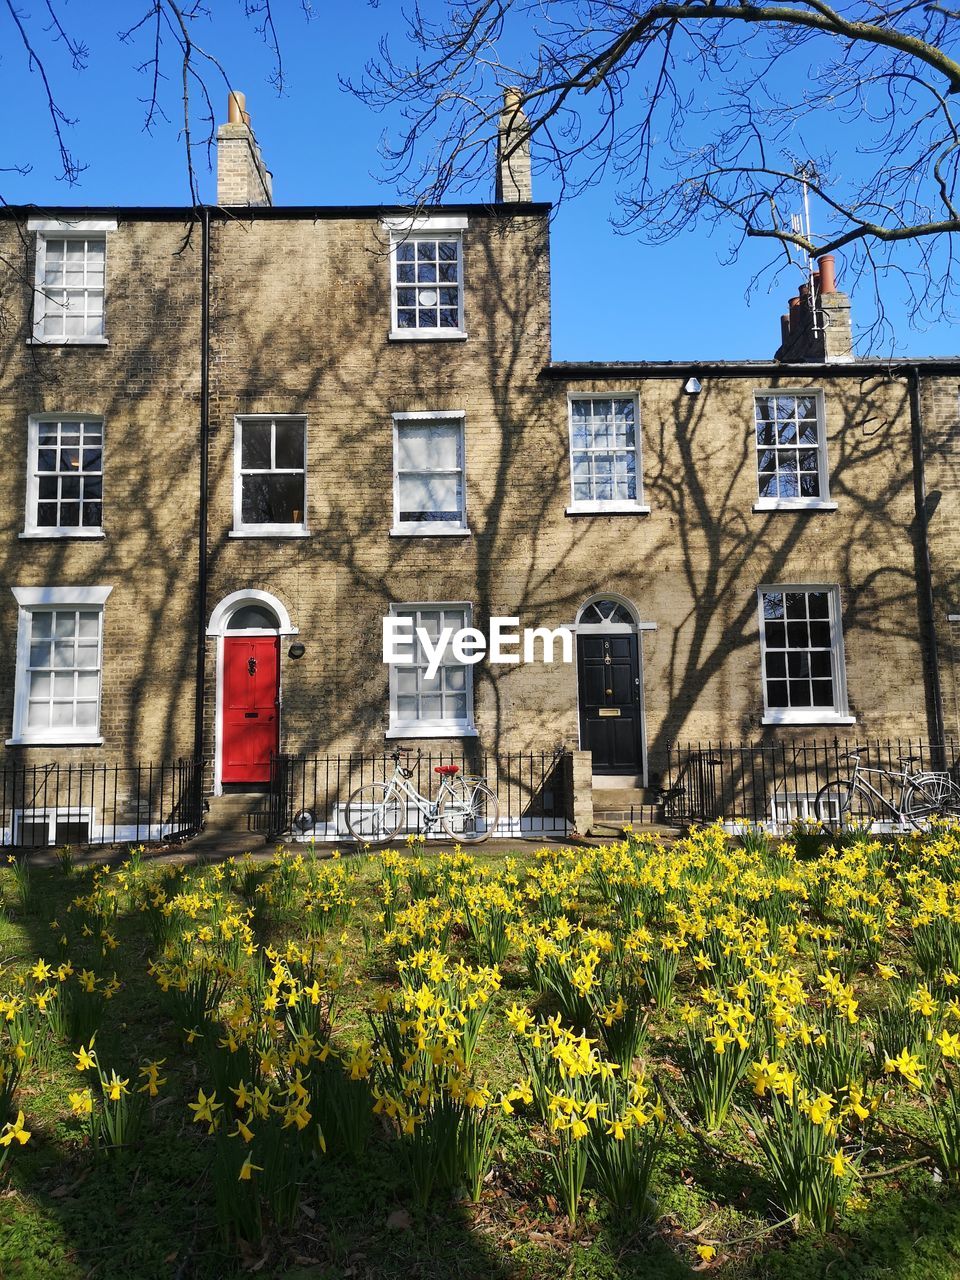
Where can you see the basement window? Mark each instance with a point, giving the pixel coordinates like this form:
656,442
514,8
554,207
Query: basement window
790,441
44,828
70,281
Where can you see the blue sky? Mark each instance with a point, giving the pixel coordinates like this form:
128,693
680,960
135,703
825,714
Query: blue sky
613,297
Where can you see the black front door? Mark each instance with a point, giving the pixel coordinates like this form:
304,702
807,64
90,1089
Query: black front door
608,668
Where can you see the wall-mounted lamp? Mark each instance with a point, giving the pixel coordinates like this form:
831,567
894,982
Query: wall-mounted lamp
297,650
692,386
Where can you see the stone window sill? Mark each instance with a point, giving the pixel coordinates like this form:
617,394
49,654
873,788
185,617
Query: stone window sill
54,742
793,719
607,509
794,504
427,335
425,731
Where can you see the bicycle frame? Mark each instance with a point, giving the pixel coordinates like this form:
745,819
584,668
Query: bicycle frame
429,810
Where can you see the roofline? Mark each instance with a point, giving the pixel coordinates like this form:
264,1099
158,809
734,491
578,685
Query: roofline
270,212
573,370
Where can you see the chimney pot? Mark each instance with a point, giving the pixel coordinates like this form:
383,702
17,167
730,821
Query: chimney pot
828,278
236,108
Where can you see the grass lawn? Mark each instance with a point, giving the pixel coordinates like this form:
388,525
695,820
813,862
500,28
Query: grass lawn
377,1067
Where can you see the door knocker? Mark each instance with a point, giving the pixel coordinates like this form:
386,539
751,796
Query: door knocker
252,666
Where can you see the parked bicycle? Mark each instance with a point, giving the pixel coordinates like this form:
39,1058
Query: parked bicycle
924,795
465,806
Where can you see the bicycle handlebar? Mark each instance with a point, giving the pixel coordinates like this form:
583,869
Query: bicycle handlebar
406,752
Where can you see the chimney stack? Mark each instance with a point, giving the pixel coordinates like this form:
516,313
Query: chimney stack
819,327
514,184
242,177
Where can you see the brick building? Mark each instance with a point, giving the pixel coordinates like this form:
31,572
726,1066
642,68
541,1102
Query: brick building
237,438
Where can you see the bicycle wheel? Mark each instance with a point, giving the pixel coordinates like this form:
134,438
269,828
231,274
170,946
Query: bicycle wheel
374,813
469,813
931,798
841,804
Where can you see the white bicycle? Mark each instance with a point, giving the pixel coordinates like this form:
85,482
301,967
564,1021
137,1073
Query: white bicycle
465,807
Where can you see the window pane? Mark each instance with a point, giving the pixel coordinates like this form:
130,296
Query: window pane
255,445
40,684
40,653
88,684
289,449
455,706
415,446
87,654
429,497
776,664
777,693
250,616
406,680
38,715
272,499
454,678
64,653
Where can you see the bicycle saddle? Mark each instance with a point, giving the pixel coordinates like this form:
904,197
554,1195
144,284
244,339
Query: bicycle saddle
446,768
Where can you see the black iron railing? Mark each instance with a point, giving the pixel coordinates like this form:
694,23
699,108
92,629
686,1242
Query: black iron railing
96,804
308,794
773,783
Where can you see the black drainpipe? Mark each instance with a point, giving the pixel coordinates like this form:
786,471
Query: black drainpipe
204,465
925,574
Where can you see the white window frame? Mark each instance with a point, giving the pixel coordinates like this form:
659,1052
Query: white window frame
29,599
821,503
61,229
612,506
31,529
432,728
430,528
241,530
839,714
401,229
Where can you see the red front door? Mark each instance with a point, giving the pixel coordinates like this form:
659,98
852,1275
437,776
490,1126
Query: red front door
251,702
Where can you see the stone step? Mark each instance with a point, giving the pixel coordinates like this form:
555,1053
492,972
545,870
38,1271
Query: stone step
239,812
